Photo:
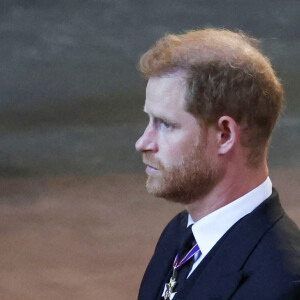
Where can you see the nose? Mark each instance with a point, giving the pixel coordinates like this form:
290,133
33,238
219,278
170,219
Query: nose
147,141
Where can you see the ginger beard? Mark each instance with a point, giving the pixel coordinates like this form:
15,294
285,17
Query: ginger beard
194,177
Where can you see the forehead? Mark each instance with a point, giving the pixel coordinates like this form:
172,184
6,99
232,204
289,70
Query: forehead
166,93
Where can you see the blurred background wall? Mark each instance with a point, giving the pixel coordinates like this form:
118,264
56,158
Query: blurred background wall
75,219
71,97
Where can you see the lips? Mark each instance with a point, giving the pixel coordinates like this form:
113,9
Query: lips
150,166
150,170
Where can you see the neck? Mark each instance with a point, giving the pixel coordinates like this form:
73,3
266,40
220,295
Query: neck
232,186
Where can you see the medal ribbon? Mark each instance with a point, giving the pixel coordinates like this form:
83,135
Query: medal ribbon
176,266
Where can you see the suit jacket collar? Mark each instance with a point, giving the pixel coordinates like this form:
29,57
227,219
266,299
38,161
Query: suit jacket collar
220,273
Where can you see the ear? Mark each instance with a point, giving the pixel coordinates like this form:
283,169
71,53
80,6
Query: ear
228,132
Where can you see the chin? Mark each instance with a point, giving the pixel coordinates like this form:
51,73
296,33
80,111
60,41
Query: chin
183,185
171,191
154,185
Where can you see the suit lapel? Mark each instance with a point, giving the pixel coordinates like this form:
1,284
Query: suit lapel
159,269
221,272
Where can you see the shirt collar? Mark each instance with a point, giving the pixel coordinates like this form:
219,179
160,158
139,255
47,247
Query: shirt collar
208,230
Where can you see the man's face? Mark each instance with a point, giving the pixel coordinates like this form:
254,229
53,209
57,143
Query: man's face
174,146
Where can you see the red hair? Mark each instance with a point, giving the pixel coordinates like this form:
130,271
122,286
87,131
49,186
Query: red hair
226,75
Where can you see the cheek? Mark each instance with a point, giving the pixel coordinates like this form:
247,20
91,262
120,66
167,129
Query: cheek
176,146
174,158
174,154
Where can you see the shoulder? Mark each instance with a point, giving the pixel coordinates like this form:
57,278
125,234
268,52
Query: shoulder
280,246
273,268
280,243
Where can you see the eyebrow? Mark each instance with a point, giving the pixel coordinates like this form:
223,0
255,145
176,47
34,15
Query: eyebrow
159,117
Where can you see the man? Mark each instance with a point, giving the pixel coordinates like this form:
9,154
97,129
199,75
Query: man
212,100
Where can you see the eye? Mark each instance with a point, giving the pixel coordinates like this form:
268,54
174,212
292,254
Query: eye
165,125
161,124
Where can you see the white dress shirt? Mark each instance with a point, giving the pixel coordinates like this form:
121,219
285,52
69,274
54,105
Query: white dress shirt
208,230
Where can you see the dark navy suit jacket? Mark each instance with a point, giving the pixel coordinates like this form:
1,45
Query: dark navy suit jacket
258,258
